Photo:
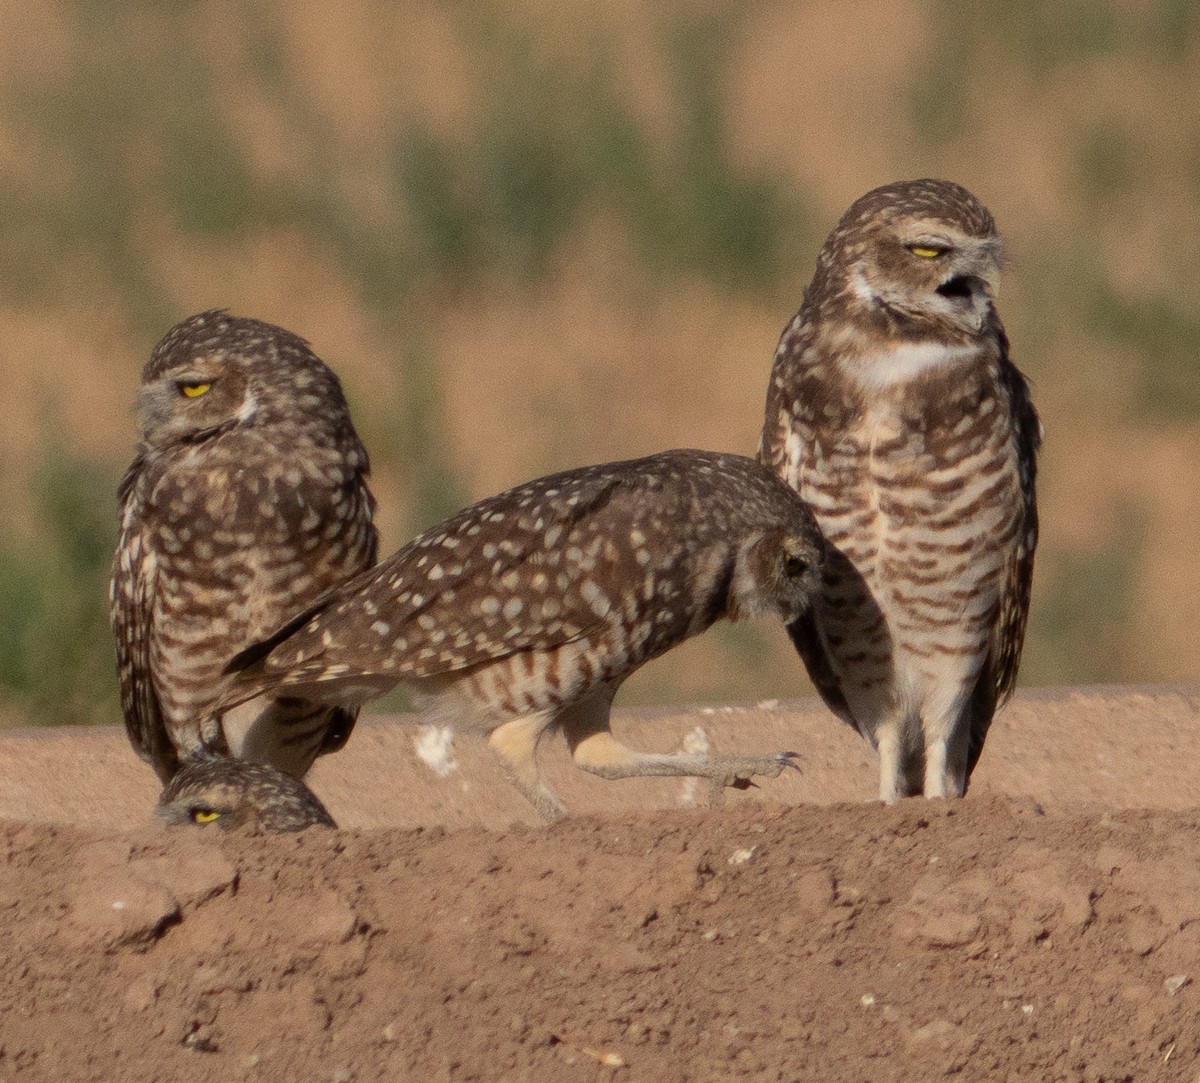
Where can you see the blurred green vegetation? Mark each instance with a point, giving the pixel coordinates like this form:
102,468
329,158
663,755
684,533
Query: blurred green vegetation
137,126
1037,41
557,139
1089,600
56,658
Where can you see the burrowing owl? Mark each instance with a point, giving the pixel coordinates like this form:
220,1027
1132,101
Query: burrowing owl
246,501
896,414
232,793
526,611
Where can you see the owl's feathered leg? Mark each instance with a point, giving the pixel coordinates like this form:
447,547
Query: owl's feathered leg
515,742
901,759
594,749
946,749
891,764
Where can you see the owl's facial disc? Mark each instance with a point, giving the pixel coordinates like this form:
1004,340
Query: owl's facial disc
192,399
922,275
776,573
962,274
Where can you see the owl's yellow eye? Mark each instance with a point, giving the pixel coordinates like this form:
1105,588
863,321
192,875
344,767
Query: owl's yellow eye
925,252
204,816
194,391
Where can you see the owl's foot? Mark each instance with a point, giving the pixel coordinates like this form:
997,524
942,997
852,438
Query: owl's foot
739,772
602,754
768,766
515,742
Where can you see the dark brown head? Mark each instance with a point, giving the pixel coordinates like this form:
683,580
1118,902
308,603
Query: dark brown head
214,372
920,257
229,794
777,572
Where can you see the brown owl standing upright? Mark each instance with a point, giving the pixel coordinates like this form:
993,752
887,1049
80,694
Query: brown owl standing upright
894,410
246,501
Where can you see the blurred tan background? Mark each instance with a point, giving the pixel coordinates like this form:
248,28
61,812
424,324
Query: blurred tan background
531,235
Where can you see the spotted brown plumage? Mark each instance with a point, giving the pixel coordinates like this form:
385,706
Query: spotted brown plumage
246,501
526,611
895,411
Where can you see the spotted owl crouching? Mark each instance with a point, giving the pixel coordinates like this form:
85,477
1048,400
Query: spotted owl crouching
895,412
246,501
232,794
524,613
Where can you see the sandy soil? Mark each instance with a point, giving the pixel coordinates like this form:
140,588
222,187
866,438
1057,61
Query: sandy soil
1046,928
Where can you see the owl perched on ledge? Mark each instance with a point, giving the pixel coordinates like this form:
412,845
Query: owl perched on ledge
246,501
895,412
525,612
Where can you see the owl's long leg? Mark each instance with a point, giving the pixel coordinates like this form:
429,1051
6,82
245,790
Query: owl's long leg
515,742
901,746
284,732
891,764
596,750
946,763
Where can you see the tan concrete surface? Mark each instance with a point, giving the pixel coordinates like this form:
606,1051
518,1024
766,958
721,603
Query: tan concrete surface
1111,746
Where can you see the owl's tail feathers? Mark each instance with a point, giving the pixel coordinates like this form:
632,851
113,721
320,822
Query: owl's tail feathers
341,724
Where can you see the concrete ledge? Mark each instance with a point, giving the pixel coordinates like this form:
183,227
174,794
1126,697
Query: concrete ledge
1107,745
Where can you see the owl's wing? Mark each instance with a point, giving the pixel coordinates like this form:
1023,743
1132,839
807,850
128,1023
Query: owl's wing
343,719
999,675
132,621
786,372
807,641
794,388
459,596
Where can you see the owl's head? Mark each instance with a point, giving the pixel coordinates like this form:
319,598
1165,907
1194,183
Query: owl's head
228,794
776,571
215,372
921,256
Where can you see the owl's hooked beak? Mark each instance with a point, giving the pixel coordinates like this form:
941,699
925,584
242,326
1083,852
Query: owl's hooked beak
975,266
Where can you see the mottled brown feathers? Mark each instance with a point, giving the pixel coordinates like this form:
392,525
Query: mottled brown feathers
644,546
526,611
228,794
246,501
895,411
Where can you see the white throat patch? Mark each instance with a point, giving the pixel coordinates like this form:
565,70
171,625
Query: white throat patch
904,363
